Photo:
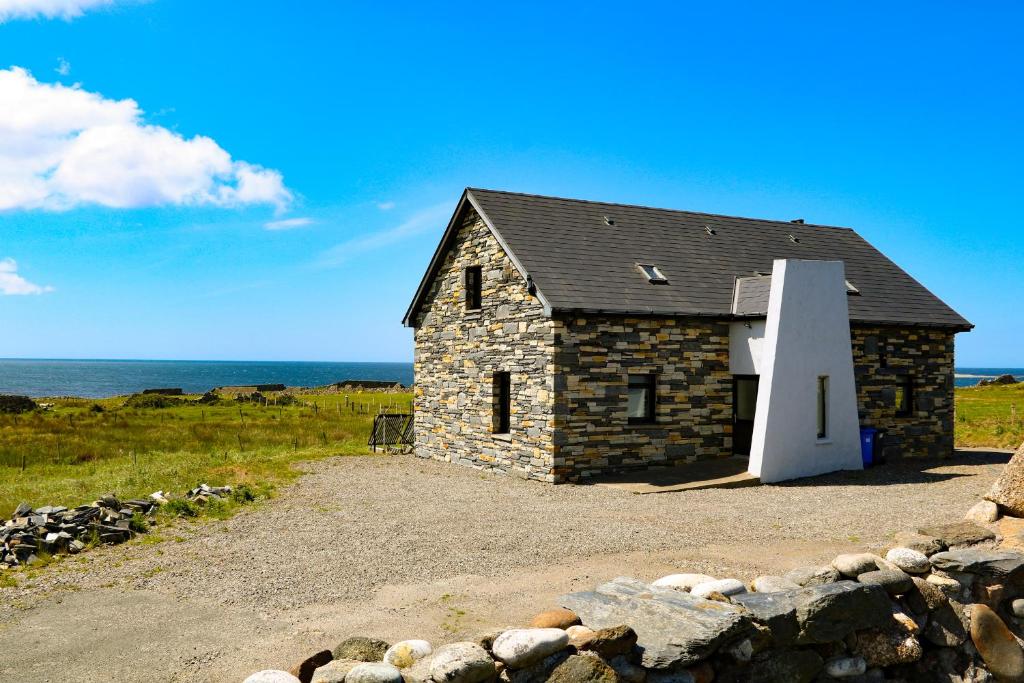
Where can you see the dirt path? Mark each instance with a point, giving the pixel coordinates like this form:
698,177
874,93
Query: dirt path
397,547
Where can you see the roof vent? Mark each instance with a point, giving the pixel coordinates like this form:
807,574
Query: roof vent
799,221
850,289
608,220
709,230
794,239
653,275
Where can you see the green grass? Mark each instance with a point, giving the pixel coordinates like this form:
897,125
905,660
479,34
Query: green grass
74,453
990,416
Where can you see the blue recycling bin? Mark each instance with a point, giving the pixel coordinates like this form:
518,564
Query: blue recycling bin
867,445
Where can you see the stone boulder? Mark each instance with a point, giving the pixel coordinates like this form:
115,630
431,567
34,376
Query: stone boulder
830,612
271,676
607,642
787,666
983,512
582,669
362,649
812,576
374,672
886,647
773,584
405,653
334,671
555,618
461,663
852,565
923,543
682,582
893,581
909,560
1008,491
996,564
997,645
520,647
726,587
958,533
304,669
674,629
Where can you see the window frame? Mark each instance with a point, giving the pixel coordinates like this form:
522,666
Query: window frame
501,406
474,291
904,408
649,382
821,405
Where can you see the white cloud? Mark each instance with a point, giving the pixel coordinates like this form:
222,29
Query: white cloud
385,206
11,283
63,146
63,66
49,9
420,222
288,224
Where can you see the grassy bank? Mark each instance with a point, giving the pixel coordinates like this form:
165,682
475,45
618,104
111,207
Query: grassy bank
83,448
990,416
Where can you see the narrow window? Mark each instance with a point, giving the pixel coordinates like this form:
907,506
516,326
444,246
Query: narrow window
904,396
823,407
641,401
502,402
473,287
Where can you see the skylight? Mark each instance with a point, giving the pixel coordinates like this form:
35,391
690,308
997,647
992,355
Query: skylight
654,276
850,289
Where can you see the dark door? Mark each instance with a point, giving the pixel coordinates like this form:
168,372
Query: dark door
744,401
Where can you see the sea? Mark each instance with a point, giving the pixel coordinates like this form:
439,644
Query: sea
101,378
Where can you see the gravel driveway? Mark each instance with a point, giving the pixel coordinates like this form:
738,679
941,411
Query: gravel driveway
397,547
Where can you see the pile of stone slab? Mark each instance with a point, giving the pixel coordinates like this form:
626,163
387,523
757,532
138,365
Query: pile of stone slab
55,529
944,603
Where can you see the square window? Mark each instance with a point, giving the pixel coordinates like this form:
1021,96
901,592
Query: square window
641,399
474,287
823,407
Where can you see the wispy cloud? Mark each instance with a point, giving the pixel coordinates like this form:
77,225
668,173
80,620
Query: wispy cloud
426,219
385,206
288,224
49,9
12,284
63,66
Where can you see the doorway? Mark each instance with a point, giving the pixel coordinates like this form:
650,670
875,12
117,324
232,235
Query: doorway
744,403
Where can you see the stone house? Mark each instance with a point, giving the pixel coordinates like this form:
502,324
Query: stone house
558,339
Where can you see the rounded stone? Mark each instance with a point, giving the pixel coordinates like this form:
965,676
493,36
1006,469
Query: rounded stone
773,584
271,676
996,645
895,582
405,653
887,648
855,564
983,512
582,669
608,642
812,576
374,672
726,587
578,632
334,671
461,663
682,582
846,667
947,584
520,647
1017,607
555,618
361,649
909,560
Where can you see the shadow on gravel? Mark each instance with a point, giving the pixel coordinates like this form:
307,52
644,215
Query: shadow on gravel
906,471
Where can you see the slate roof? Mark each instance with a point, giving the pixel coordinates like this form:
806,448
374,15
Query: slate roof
583,256
750,295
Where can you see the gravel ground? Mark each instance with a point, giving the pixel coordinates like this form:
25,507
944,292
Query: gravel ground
398,547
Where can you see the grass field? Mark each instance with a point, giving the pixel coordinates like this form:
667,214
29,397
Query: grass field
75,452
990,416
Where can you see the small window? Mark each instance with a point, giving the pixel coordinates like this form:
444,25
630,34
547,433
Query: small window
823,407
652,273
502,402
904,396
641,400
473,287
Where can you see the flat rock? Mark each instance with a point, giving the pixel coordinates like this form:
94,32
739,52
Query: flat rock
674,629
999,564
983,512
1011,529
773,584
787,666
271,676
909,560
608,642
882,647
555,618
521,647
828,613
959,533
853,565
362,649
1008,490
996,645
334,671
846,667
929,545
405,653
374,672
812,576
775,611
726,587
461,663
304,669
582,669
893,581
682,582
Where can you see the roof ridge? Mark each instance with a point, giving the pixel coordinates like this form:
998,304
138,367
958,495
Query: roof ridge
658,208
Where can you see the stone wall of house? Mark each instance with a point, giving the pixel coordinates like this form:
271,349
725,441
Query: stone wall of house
458,351
595,356
880,356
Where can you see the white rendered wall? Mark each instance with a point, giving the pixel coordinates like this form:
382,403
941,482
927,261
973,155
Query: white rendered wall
745,343
807,335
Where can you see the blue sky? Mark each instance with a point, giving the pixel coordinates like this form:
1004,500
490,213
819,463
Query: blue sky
358,125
